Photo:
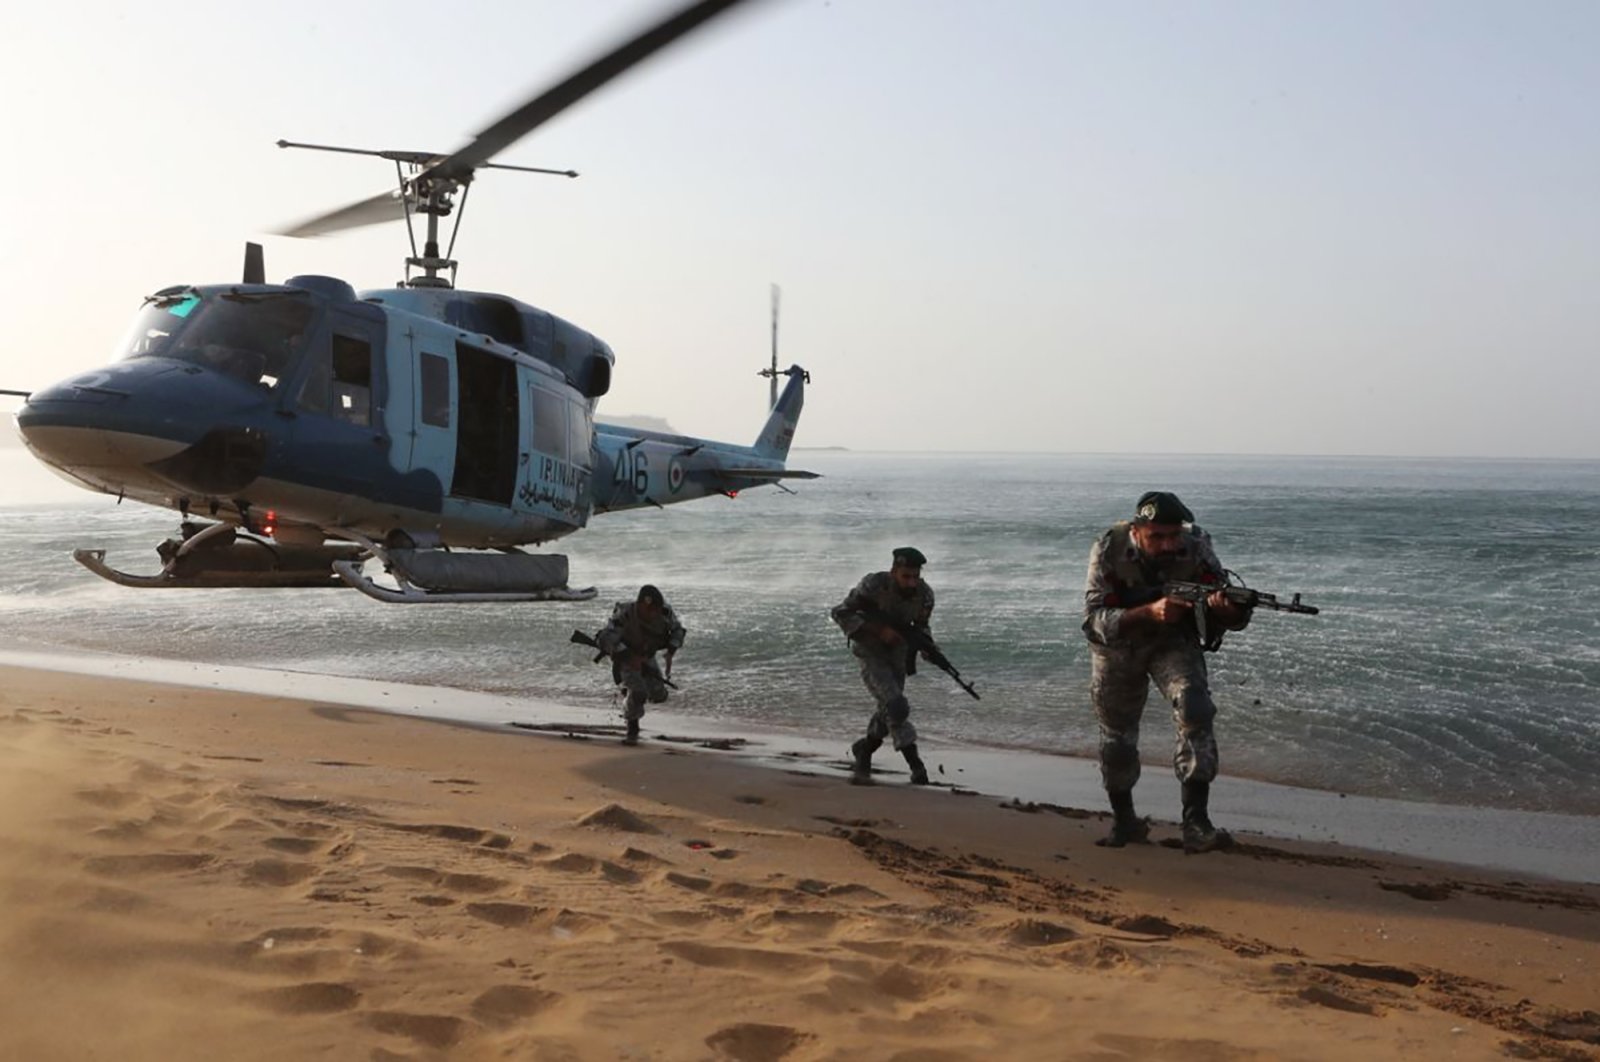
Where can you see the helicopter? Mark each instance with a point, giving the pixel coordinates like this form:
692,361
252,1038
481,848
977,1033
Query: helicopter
304,429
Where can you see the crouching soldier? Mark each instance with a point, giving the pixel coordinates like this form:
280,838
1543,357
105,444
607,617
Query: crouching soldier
868,616
638,630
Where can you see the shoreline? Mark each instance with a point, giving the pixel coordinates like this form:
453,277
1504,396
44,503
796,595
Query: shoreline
1550,845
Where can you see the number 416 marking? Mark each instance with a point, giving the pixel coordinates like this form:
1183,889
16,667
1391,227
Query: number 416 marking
633,468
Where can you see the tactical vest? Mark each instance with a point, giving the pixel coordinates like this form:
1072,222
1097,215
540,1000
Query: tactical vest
1133,575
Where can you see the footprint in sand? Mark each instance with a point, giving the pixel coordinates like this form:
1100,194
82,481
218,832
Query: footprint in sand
473,884
637,855
107,797
751,960
505,1005
438,1031
505,915
578,863
152,863
431,900
804,924
278,872
315,997
1031,933
294,845
463,834
751,1042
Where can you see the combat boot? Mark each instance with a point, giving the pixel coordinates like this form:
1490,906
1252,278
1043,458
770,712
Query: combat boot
919,772
1198,833
1126,825
632,736
861,761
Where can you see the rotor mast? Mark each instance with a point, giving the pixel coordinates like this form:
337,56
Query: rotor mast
420,191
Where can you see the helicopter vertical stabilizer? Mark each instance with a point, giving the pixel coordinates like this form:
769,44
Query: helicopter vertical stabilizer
778,433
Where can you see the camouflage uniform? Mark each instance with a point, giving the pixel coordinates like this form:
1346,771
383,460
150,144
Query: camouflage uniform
628,634
883,667
1120,576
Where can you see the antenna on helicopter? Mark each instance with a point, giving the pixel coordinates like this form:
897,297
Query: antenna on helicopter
428,182
771,371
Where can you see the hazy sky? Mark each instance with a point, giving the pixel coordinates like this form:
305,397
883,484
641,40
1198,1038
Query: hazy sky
1265,227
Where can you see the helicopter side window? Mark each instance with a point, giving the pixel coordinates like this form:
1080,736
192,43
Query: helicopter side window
351,393
550,423
435,373
580,433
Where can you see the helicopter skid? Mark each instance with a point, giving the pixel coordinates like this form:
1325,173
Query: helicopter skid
94,560
353,575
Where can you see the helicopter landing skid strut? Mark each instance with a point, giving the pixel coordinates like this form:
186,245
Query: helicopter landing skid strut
206,579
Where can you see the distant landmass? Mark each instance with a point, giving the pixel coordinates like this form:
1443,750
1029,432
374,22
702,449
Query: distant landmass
640,421
817,449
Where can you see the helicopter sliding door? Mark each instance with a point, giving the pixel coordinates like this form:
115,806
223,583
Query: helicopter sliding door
487,426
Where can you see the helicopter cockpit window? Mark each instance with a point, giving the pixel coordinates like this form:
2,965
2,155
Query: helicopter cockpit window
255,341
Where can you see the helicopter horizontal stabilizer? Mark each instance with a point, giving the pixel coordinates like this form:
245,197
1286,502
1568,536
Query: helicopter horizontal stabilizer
766,473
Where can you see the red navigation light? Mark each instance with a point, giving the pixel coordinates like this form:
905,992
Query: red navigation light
270,525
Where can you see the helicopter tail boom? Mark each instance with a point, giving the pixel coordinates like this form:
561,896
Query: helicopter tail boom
637,467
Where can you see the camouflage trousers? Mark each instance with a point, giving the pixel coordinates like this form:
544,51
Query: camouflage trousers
1118,685
886,681
644,684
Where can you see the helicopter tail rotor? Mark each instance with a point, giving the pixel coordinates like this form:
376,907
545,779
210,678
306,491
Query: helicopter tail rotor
255,266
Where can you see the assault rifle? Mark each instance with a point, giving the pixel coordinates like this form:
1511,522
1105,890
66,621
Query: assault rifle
918,641
580,638
1238,593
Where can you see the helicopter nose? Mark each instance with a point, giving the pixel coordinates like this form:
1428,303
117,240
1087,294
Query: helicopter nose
71,427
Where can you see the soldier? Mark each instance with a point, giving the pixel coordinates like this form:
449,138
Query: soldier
1136,634
899,595
637,631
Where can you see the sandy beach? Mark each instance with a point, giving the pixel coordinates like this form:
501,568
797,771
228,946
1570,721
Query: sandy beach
195,874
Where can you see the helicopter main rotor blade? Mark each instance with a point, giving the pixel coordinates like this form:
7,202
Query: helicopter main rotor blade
385,206
545,106
520,122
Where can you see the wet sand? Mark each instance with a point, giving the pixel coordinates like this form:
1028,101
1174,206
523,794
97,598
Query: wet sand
201,874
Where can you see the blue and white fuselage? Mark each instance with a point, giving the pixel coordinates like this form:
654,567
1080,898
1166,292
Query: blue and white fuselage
456,418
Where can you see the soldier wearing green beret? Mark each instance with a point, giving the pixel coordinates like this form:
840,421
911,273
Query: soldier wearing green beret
867,616
1136,635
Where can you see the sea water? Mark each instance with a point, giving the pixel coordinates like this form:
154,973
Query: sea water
1456,659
